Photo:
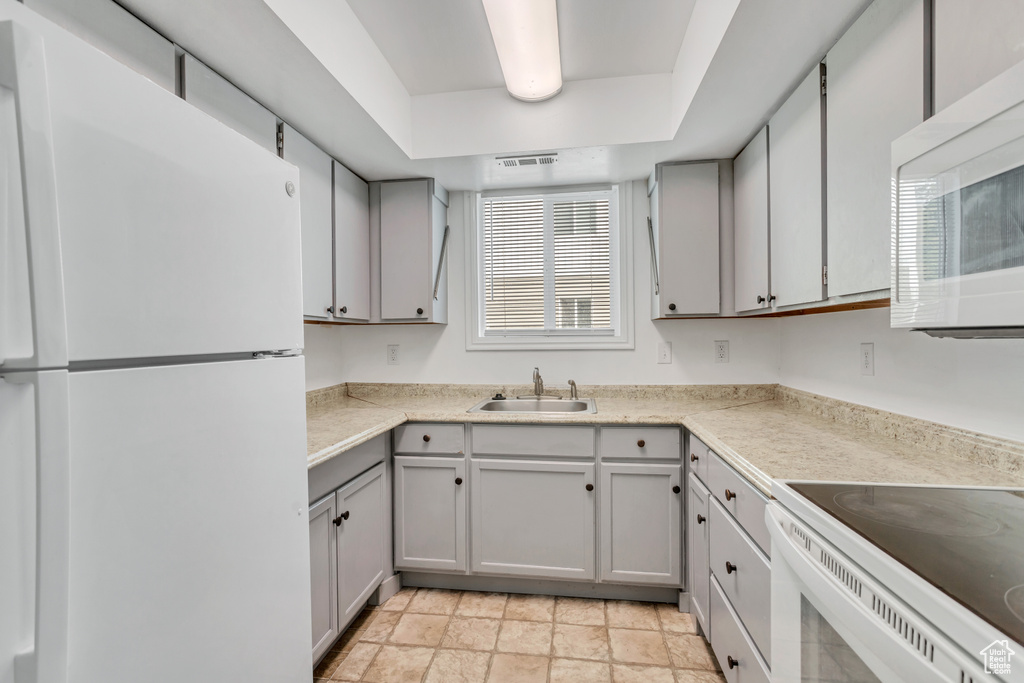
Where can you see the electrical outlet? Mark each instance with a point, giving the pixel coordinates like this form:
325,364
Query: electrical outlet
867,359
392,354
722,351
665,352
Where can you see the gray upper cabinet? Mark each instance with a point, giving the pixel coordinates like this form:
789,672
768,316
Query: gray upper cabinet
750,210
361,540
116,31
323,558
430,513
641,512
533,518
796,167
209,91
685,240
974,43
875,94
411,221
351,246
315,191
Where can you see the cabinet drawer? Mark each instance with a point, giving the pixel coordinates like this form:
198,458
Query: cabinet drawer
741,499
745,576
697,456
640,443
328,476
430,439
731,643
533,440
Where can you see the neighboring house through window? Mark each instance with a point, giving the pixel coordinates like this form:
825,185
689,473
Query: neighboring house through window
549,270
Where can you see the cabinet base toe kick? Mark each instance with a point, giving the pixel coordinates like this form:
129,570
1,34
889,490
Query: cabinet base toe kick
532,586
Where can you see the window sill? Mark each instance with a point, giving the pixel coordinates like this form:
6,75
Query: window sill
539,343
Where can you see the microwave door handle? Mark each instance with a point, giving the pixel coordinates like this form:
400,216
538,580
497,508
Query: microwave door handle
887,654
39,293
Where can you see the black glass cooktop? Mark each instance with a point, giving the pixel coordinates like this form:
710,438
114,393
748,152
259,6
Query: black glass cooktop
968,543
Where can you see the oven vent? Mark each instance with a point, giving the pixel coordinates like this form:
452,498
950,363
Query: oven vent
804,538
840,572
528,160
904,628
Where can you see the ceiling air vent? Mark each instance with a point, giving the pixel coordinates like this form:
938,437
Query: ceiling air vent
528,160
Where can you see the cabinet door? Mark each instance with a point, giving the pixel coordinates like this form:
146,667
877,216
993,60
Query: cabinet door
430,513
974,43
323,574
875,94
533,518
697,551
750,205
117,32
361,536
796,195
315,189
351,245
641,508
406,284
209,91
688,238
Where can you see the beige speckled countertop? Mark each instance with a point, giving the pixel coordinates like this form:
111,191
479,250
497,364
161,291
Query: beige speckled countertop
336,422
766,432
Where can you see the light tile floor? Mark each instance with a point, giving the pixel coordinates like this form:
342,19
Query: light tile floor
434,636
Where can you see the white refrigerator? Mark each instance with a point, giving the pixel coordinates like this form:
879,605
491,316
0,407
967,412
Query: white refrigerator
153,521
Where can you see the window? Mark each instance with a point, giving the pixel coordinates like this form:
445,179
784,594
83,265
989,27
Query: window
549,271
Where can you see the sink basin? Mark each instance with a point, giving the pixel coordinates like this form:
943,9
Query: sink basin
535,405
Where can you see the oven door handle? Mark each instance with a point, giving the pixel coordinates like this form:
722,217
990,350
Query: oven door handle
843,604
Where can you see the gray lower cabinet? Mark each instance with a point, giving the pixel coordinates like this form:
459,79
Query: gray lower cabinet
745,576
732,645
698,543
323,558
730,569
361,541
641,512
430,513
347,545
533,518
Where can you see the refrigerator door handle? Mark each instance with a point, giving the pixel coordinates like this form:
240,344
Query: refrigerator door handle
47,661
39,295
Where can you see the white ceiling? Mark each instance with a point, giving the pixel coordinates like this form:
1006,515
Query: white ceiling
748,68
445,45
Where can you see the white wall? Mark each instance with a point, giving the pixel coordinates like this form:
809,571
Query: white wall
437,353
325,362
974,384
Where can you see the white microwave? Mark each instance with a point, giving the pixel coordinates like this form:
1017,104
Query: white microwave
958,216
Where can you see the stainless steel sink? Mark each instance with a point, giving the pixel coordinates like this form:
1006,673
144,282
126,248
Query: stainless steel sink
535,405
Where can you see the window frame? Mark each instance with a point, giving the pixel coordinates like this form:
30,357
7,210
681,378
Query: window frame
566,339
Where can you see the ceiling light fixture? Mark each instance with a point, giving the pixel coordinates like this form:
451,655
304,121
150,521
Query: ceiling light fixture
525,34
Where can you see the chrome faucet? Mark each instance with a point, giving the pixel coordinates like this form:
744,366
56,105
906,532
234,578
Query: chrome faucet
573,394
538,382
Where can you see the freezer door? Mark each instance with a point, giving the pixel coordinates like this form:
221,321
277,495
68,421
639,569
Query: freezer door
178,235
189,550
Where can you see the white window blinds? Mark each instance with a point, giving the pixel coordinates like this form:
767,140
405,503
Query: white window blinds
547,265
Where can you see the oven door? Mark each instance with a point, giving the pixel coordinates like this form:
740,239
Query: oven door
832,622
